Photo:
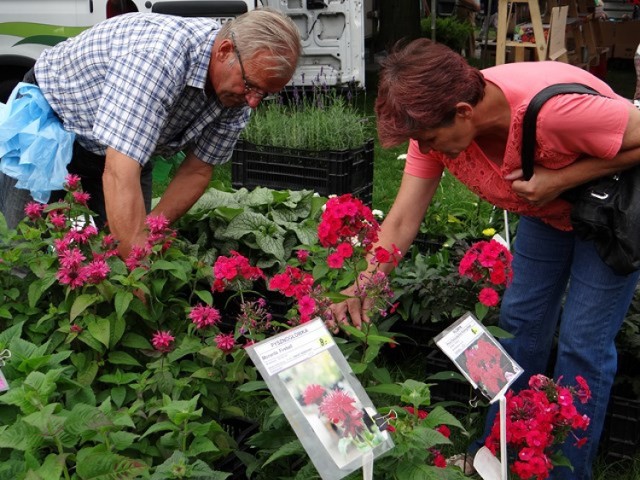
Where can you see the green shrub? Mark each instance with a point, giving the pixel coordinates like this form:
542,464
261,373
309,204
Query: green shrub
318,122
449,31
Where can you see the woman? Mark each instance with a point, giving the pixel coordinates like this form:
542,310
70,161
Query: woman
470,122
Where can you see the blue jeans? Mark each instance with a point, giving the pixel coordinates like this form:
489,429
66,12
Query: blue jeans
561,285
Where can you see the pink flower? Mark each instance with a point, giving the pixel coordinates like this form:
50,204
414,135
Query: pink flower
163,341
302,256
225,342
72,182
81,197
58,220
157,223
75,328
34,210
338,406
313,394
204,316
97,271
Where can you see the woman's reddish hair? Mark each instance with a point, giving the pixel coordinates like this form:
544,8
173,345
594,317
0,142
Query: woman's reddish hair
419,87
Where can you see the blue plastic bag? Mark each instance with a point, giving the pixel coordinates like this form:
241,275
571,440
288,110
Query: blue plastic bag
34,147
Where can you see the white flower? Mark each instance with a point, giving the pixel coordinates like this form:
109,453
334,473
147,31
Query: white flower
377,213
402,156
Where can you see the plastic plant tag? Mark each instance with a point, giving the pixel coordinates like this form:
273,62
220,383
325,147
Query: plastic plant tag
4,355
321,398
479,357
4,385
487,465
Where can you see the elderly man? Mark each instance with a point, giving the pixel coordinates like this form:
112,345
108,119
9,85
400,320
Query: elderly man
143,84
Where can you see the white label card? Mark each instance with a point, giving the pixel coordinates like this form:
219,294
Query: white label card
302,343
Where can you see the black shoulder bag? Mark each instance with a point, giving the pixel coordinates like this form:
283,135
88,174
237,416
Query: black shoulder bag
605,210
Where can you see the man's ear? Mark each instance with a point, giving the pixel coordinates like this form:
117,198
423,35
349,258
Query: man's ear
464,109
224,50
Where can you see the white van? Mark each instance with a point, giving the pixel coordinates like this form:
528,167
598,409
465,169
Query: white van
332,31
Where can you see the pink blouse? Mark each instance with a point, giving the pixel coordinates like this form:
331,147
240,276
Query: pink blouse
569,127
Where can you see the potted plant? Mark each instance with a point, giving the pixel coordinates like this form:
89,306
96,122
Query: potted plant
318,142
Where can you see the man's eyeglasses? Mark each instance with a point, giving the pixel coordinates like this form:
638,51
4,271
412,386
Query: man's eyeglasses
249,89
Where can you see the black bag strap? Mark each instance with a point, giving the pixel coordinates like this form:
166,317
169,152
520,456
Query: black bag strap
531,114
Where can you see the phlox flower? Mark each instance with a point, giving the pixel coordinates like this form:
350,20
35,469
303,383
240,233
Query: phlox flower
302,255
335,260
489,297
163,341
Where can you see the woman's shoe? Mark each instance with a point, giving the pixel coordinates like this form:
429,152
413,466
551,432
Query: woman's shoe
464,461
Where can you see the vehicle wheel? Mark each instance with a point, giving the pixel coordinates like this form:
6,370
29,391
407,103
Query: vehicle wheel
9,79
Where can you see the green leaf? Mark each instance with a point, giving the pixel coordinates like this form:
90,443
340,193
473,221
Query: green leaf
388,389
499,332
439,416
252,386
21,436
188,346
122,358
175,269
292,448
118,326
118,395
122,440
135,341
201,445
122,301
52,467
205,296
161,427
81,303
100,329
93,464
37,288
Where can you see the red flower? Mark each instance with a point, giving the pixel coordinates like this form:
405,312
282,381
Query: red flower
489,297
539,420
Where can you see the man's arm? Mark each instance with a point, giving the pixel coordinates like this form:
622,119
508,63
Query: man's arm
187,186
123,200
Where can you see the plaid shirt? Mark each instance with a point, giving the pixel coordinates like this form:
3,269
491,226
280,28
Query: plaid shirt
136,83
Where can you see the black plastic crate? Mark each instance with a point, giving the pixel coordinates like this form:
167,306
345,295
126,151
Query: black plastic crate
326,172
621,436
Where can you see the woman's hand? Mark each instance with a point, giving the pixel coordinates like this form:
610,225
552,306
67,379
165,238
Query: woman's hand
350,311
540,189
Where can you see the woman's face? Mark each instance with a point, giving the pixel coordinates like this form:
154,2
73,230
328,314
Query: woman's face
449,140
